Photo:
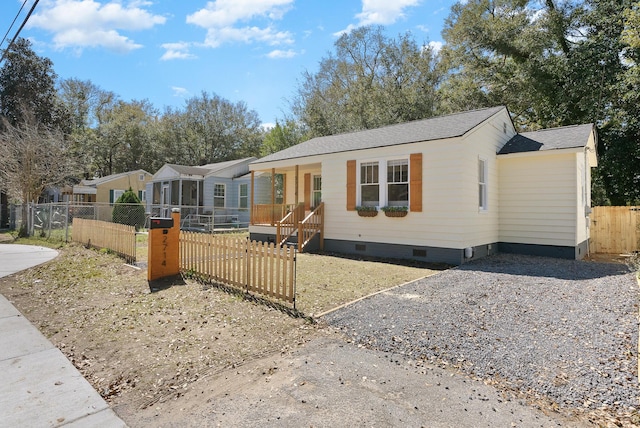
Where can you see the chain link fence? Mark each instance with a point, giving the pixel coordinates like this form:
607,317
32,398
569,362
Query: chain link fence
54,220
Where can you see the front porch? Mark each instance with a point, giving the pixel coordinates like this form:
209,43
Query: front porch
300,222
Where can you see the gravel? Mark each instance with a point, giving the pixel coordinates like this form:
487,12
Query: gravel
561,329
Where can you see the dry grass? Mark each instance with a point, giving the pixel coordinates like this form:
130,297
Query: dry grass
140,347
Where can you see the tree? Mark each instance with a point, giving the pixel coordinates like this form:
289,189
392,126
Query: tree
208,129
27,83
87,105
370,81
32,158
129,210
282,136
553,64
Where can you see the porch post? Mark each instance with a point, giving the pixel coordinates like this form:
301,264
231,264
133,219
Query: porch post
273,195
296,181
253,175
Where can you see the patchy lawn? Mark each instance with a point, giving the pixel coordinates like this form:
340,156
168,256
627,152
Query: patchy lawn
139,348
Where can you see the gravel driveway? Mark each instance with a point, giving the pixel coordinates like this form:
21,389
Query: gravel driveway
565,330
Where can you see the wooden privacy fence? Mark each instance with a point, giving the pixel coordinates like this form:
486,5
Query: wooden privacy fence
119,238
258,267
615,230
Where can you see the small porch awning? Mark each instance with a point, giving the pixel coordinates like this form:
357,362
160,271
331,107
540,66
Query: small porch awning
84,190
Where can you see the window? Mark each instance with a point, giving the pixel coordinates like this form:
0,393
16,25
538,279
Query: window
316,198
218,195
398,183
141,177
482,184
243,202
116,195
142,195
369,184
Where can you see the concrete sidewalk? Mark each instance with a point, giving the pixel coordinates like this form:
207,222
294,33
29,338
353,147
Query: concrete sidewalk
38,386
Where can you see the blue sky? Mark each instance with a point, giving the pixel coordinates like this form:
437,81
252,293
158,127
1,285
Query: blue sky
243,50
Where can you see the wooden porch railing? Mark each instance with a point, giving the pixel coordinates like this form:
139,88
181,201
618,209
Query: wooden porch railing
312,225
288,226
268,214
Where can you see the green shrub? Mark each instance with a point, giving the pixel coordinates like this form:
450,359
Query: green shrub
129,210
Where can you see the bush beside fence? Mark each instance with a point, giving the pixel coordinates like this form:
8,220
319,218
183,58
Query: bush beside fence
119,238
249,265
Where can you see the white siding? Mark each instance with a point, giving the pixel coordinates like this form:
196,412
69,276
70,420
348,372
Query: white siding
538,199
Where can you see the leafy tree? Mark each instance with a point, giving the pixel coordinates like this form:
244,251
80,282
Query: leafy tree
87,105
208,129
282,136
552,63
129,210
125,137
370,81
27,83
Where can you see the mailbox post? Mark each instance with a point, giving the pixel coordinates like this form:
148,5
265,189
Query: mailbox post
164,246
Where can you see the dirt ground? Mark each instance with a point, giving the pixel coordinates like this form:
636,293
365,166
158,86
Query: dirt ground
140,348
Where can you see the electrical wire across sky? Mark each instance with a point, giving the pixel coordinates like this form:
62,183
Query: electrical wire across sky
24,22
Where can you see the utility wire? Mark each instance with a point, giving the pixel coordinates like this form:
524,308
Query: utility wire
4,53
14,21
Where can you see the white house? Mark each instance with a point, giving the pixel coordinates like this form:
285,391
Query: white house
208,196
471,184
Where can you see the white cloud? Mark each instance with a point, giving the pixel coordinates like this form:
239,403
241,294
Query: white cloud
436,46
380,12
179,50
235,21
180,92
383,11
278,54
87,23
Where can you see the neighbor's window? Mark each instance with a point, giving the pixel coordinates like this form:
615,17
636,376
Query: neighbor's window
398,183
369,184
218,195
482,184
243,203
117,194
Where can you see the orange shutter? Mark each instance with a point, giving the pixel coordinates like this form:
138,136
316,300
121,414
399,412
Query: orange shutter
351,185
415,182
307,192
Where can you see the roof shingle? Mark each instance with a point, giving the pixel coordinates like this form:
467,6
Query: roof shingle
565,137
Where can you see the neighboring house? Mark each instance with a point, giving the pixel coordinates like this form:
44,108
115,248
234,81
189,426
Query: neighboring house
108,189
471,184
208,196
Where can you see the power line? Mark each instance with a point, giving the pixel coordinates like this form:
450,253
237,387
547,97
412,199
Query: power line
12,23
4,53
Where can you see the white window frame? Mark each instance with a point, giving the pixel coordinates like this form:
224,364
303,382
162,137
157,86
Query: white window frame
483,179
116,194
361,184
143,194
316,192
216,196
140,177
241,197
383,183
397,162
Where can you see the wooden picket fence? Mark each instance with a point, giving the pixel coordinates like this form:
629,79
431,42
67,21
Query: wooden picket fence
615,230
119,238
252,266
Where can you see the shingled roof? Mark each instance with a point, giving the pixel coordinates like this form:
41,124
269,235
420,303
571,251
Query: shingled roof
565,137
436,128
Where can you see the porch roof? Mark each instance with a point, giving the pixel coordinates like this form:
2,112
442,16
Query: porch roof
436,128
